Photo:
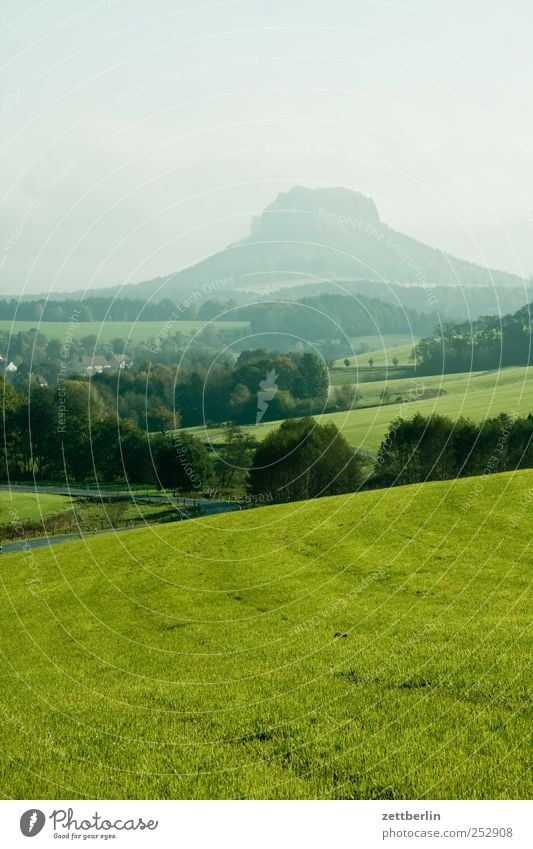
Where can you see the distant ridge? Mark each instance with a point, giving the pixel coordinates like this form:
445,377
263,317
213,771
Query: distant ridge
319,234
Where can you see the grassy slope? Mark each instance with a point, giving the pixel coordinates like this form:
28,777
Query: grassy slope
29,507
140,331
200,660
384,353
474,395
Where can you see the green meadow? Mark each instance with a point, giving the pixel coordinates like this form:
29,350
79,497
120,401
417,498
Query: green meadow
386,348
136,332
365,646
474,395
29,507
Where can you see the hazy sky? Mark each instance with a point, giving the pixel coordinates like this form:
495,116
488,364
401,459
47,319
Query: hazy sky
138,137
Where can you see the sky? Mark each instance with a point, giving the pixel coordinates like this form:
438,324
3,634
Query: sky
138,138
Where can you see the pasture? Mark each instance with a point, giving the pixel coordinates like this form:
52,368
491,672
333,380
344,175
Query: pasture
106,331
474,395
386,348
29,507
371,646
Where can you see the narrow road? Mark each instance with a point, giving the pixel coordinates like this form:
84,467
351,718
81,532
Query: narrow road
208,508
40,542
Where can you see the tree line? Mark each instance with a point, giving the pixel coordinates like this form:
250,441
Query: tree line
437,448
100,309
82,443
300,459
329,316
489,342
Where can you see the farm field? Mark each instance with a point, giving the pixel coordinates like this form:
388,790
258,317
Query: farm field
140,331
386,348
365,646
30,507
475,395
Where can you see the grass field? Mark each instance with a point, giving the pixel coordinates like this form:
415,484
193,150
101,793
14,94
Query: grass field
384,352
474,395
26,507
364,646
140,331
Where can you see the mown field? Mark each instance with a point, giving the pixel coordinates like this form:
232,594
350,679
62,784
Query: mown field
364,646
26,506
140,331
475,395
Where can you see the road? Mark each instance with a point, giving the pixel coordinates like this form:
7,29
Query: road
208,508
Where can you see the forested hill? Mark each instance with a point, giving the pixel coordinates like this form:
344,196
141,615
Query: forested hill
332,317
323,317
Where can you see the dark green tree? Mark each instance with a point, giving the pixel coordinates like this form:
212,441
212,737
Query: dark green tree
183,462
303,459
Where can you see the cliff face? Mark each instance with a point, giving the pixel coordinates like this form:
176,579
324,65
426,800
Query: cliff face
306,213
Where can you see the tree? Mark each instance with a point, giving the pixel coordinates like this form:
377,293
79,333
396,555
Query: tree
234,456
303,459
344,398
189,398
371,361
395,361
89,342
42,411
161,419
119,452
182,462
240,404
118,345
346,362
313,380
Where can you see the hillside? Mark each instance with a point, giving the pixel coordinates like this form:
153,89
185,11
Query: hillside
474,395
310,234
364,646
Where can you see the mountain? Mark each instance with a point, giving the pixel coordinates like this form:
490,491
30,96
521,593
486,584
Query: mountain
314,235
